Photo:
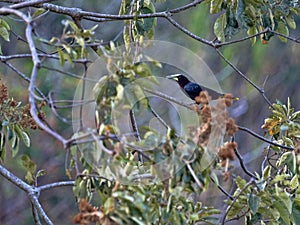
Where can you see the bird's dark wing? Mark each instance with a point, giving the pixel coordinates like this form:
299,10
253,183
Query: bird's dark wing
192,90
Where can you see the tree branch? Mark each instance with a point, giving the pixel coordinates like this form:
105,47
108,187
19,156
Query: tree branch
260,90
31,191
264,139
36,65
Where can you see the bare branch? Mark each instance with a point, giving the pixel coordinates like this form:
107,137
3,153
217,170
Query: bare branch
251,182
260,90
24,4
164,96
264,139
31,191
200,185
55,185
222,189
241,160
14,179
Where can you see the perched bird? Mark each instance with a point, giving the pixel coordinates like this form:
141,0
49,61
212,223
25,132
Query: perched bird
192,89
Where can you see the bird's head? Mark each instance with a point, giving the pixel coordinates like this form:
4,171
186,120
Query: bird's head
179,78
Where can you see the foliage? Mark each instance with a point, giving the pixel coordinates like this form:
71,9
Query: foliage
73,42
14,118
254,16
274,195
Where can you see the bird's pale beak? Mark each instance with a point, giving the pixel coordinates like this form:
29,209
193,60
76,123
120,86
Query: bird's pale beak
173,76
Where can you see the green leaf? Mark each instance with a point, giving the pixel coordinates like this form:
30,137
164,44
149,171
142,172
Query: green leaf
267,172
252,31
170,204
253,202
73,26
288,141
256,218
2,140
61,57
140,27
38,12
124,6
283,158
284,215
80,41
272,213
29,178
22,135
241,183
294,182
4,28
28,164
148,22
295,115
219,27
142,69
109,205
290,21
280,178
126,37
286,200
4,24
215,6
282,29
15,145
25,139
136,96
9,132
296,213
40,173
4,33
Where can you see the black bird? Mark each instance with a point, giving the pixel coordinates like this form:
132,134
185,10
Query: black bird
190,88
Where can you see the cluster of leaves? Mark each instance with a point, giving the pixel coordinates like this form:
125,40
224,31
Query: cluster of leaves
273,196
137,29
143,204
283,124
112,160
14,118
254,16
31,170
73,42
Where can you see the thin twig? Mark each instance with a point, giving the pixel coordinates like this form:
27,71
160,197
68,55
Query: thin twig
222,189
241,160
264,139
35,215
70,74
23,76
55,185
36,63
158,117
24,4
235,199
260,90
200,185
164,96
31,191
135,130
189,33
